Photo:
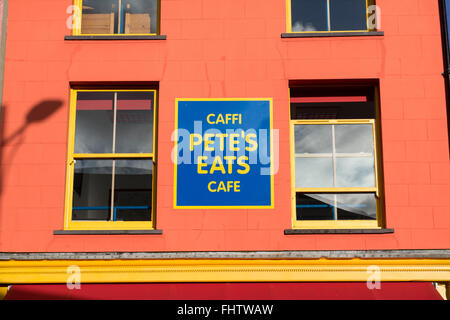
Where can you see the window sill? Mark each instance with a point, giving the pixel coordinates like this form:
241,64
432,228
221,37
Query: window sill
105,232
117,37
337,231
331,34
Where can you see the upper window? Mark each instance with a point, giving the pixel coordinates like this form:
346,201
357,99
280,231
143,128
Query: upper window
117,17
111,160
335,157
328,15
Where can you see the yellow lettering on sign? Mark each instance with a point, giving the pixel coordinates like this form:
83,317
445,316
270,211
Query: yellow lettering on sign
234,141
201,165
211,185
241,162
229,160
229,118
220,119
253,143
229,186
209,117
221,137
221,187
195,143
217,166
208,142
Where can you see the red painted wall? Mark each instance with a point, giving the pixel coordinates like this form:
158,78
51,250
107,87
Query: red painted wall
214,49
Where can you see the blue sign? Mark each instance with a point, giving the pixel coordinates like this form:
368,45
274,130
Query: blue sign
223,153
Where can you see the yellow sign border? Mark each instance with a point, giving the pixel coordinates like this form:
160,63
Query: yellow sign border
272,200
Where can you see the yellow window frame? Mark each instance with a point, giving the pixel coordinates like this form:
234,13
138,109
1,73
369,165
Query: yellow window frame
289,20
78,16
336,224
69,224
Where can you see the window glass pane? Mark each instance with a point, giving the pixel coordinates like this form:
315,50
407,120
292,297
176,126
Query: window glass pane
315,206
139,16
99,17
309,15
92,190
313,139
94,122
354,138
119,17
348,15
356,206
134,127
133,190
314,172
355,172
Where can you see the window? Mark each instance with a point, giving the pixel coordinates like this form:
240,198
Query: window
335,166
111,160
117,17
328,15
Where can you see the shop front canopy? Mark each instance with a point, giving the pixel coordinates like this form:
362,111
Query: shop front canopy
227,291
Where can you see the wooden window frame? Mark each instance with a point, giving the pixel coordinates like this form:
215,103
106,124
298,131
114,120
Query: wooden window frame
70,224
289,20
78,16
378,190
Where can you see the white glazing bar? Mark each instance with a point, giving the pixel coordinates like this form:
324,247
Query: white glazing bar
337,155
111,214
333,139
328,15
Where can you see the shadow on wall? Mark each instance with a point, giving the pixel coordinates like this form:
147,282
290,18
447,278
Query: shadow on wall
37,114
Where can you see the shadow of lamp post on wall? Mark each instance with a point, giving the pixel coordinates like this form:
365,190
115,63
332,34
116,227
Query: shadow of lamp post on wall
37,114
